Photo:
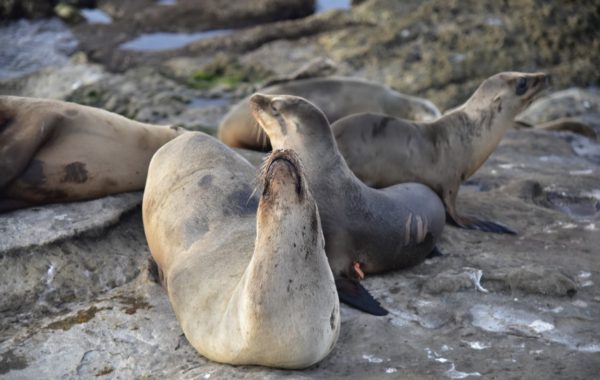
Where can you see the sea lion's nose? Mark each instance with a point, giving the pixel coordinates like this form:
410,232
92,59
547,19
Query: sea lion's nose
260,100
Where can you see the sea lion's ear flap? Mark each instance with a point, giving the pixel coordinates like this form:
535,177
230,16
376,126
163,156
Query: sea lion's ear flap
353,294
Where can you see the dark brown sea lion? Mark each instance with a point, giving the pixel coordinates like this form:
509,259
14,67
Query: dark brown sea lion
366,230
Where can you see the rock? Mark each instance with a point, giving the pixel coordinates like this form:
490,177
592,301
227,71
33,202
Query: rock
315,68
55,83
122,94
102,42
571,103
576,110
30,45
68,252
51,223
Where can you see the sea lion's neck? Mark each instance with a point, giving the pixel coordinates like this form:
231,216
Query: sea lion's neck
327,165
481,129
164,133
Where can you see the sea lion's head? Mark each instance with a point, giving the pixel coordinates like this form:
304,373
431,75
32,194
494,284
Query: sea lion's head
290,121
508,93
282,179
287,208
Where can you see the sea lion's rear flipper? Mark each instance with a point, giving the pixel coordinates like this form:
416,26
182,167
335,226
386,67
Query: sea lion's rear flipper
353,294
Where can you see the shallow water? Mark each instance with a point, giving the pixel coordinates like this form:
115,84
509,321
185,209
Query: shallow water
27,46
167,41
584,207
208,102
96,16
325,5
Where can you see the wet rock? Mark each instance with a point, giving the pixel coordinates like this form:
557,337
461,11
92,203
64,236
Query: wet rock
51,223
570,103
55,83
576,110
133,18
30,45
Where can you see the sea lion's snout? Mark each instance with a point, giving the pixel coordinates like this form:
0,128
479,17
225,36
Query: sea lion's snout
259,101
282,174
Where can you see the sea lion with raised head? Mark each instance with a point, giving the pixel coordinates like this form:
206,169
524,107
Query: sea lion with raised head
335,96
247,288
54,151
382,150
366,230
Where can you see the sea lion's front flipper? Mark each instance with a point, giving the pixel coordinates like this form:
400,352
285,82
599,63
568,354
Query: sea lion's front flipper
353,294
479,225
470,223
489,226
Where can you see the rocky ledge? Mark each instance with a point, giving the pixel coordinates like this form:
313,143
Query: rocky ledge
81,303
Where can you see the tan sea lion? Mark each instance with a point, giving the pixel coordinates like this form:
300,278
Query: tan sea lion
247,288
382,150
335,96
366,230
54,151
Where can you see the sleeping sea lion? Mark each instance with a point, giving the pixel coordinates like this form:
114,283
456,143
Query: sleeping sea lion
54,151
335,96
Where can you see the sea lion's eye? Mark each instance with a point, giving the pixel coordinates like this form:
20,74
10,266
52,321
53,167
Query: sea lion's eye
276,106
521,86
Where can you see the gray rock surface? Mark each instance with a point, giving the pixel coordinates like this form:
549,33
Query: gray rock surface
47,224
574,109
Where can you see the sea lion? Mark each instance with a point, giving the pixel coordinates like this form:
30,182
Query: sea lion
335,96
383,150
247,288
54,151
366,230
